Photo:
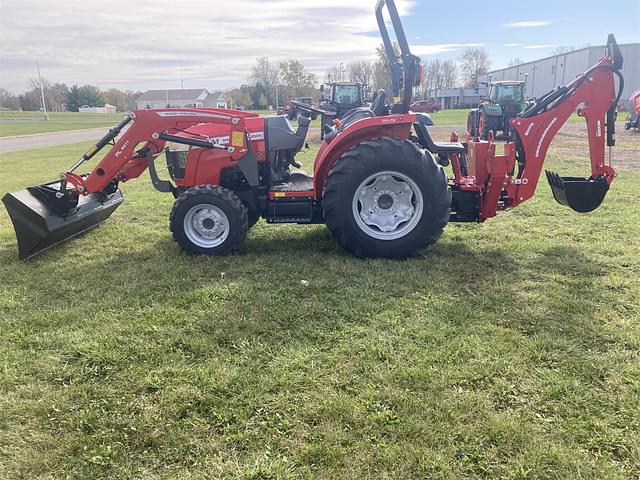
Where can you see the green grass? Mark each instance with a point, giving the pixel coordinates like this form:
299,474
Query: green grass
509,351
27,123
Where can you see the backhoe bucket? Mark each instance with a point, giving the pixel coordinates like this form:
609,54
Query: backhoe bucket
39,225
582,194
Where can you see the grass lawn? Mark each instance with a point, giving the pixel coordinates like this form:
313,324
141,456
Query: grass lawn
509,351
459,117
26,123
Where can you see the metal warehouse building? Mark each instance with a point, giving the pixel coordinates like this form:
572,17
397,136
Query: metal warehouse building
551,72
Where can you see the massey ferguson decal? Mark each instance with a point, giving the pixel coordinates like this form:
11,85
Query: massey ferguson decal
254,136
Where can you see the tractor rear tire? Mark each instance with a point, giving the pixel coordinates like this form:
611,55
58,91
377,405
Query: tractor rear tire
208,220
473,119
488,124
252,216
387,198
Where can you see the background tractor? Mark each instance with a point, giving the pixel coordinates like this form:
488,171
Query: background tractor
506,100
633,123
343,97
379,181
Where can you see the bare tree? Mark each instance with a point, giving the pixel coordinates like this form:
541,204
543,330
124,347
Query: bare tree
298,81
9,100
360,71
381,71
474,62
265,75
514,62
332,74
439,74
449,74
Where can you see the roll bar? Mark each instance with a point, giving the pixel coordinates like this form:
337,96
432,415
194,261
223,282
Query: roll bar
405,75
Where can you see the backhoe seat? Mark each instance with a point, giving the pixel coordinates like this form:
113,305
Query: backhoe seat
442,149
439,148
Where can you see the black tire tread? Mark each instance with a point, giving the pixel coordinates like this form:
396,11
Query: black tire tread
227,195
388,147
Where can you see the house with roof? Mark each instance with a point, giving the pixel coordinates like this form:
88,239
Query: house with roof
181,98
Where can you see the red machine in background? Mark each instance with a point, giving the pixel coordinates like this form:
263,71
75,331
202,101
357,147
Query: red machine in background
634,113
379,179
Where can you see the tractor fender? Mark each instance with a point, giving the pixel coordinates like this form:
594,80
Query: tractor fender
397,126
492,110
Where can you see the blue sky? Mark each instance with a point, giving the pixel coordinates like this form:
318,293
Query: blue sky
563,22
148,44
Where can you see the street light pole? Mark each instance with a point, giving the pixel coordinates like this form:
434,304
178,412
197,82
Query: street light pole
44,104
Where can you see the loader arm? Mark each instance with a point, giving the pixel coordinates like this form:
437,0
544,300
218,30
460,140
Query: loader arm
48,214
149,127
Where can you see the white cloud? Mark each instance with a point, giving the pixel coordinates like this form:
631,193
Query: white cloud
513,45
439,49
540,46
155,43
527,24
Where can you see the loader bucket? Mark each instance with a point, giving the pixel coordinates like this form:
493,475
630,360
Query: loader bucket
39,226
582,194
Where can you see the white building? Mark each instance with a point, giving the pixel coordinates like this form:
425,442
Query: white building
546,74
106,109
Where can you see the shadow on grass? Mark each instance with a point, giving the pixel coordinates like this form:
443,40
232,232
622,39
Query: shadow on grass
259,290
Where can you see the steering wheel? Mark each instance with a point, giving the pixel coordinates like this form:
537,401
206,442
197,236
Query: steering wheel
309,108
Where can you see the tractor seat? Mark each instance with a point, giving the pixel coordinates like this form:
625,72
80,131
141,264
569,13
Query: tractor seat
281,136
350,117
438,148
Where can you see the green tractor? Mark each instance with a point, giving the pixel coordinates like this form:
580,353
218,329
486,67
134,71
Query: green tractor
506,100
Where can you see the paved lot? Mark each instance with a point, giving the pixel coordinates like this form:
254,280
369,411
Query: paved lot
9,144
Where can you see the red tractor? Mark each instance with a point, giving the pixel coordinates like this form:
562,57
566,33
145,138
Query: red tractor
634,113
379,180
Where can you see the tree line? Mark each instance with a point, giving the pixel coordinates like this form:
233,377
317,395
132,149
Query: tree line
269,84
60,98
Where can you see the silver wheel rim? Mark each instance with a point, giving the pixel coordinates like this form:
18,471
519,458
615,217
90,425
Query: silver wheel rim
387,205
206,226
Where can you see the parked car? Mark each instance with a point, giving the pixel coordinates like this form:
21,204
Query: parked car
426,106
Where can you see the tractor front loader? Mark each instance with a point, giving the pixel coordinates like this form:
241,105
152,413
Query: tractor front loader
379,180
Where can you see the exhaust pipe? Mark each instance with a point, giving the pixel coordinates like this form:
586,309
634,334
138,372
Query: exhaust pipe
41,223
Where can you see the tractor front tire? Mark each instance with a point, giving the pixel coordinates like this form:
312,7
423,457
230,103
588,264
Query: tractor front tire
387,198
209,220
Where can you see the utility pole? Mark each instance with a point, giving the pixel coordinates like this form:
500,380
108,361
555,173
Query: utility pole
277,99
182,84
44,104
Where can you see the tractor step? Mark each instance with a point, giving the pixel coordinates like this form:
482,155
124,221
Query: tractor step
40,224
582,194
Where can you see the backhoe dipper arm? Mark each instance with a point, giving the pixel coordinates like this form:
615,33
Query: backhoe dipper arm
593,96
122,162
